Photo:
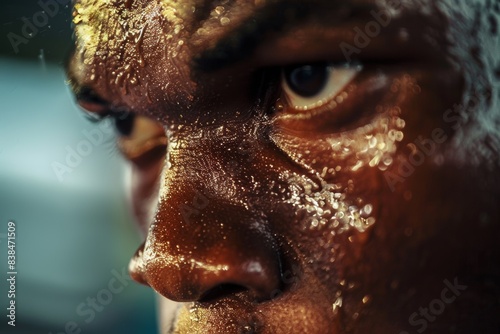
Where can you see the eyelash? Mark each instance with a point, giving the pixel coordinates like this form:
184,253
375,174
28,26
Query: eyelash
344,114
276,106
267,83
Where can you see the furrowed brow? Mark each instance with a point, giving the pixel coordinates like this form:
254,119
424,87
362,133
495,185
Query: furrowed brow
276,17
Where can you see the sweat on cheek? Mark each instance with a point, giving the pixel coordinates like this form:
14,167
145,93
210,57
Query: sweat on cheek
337,160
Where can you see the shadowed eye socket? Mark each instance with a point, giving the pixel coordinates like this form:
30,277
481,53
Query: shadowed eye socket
309,86
94,107
141,140
124,123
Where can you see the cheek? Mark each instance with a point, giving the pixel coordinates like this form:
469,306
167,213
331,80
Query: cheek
350,201
350,223
348,168
335,214
355,169
337,204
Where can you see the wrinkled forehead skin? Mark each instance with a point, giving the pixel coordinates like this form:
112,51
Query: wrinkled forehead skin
123,38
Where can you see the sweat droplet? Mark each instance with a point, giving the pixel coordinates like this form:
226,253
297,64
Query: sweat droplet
399,136
225,21
337,305
193,314
367,209
138,43
322,204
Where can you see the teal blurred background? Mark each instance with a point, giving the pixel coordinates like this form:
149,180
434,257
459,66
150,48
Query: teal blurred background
75,234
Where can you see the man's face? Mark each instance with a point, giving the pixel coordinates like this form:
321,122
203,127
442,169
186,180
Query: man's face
305,166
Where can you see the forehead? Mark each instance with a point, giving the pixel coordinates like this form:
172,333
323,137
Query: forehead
104,26
96,19
201,24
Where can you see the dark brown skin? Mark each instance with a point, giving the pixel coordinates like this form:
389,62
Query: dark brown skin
260,217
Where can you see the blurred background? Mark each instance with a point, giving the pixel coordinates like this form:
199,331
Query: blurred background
62,183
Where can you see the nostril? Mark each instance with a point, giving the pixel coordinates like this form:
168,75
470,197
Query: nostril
245,262
221,291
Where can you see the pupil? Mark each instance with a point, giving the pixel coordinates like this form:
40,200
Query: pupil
124,123
307,80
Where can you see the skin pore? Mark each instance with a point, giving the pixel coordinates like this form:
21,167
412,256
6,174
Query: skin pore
286,185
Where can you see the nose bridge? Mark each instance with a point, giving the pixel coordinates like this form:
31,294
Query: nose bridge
203,236
207,165
218,162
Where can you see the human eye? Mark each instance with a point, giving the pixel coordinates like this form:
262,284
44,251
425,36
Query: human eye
307,87
140,139
328,97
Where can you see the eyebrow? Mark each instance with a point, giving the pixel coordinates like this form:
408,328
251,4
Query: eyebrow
276,17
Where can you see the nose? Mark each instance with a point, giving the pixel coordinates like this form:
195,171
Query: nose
206,242
219,254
